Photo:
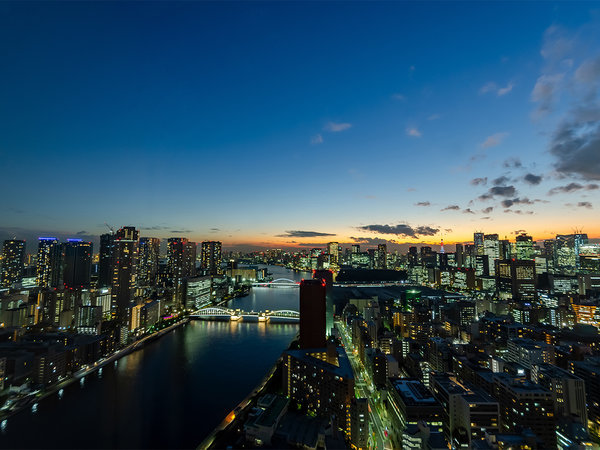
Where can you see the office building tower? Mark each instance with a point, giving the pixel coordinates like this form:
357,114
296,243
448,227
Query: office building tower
312,313
333,248
524,244
181,264
381,257
460,259
355,248
124,273
491,248
106,260
478,243
148,253
49,262
78,264
359,428
516,279
413,256
327,277
13,258
211,258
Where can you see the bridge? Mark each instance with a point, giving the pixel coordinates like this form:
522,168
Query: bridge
278,283
220,313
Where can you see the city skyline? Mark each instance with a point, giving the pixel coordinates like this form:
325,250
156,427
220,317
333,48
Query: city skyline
291,125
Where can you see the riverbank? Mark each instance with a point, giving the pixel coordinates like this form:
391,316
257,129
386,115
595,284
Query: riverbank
82,373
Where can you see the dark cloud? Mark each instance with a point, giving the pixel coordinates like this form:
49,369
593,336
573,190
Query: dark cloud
512,163
585,205
501,191
532,179
486,218
500,180
81,233
180,231
576,146
451,208
468,211
517,211
573,187
303,234
423,204
517,201
479,181
401,230
487,210
371,241
215,229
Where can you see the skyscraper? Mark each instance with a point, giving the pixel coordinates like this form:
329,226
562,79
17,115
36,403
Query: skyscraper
381,257
524,244
13,257
49,262
312,313
78,264
333,248
491,248
105,264
478,242
181,264
124,272
148,254
211,257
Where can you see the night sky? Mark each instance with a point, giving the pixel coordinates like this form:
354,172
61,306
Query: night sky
296,123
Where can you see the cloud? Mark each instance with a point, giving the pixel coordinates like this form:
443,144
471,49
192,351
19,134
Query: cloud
371,241
516,201
316,139
493,87
532,179
413,131
336,127
487,210
576,146
434,117
573,187
545,93
401,230
451,208
505,90
180,231
501,191
585,205
81,233
493,140
303,234
512,163
399,97
500,180
468,211
423,204
479,181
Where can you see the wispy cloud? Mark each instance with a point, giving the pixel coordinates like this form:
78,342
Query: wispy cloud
434,117
479,181
304,234
573,187
491,86
413,131
336,127
451,208
494,140
399,97
316,139
423,204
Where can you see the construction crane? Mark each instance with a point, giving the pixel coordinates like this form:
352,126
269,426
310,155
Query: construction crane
112,230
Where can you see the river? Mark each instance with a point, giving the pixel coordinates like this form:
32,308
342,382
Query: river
170,394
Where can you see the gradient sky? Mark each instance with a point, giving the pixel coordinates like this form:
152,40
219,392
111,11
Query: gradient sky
277,123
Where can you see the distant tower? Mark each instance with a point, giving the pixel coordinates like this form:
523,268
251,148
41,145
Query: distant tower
13,258
49,262
211,257
442,247
78,264
124,272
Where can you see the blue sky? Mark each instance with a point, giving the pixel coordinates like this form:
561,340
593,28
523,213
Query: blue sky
242,121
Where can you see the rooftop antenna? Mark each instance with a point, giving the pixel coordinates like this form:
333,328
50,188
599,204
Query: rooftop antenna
112,230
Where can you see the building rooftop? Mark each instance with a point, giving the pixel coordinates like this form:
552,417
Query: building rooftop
413,392
453,386
344,369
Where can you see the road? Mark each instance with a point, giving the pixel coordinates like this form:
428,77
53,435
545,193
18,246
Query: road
365,388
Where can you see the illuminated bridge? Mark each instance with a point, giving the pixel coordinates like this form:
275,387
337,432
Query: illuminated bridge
219,313
278,283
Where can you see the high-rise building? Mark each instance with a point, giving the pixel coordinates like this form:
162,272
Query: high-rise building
381,257
478,242
516,278
524,245
106,260
13,257
460,259
124,273
491,248
181,264
211,257
333,248
355,248
49,262
312,313
78,264
148,253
